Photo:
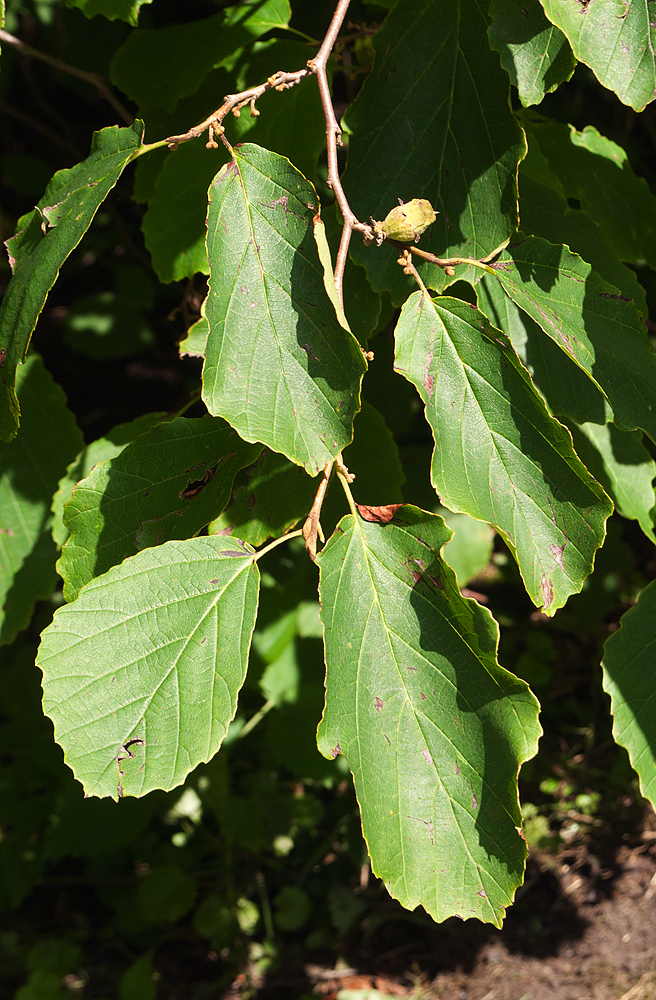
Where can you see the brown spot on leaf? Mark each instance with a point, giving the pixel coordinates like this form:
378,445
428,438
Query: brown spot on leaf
557,553
335,751
379,515
546,591
378,704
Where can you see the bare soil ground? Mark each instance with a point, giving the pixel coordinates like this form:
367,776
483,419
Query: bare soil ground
578,931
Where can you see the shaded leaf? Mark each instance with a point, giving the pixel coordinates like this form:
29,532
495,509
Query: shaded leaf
545,212
168,483
616,40
45,238
278,366
373,458
109,446
276,496
174,225
141,673
432,121
361,304
148,67
124,10
30,468
290,122
470,549
499,456
598,173
109,325
628,677
434,731
589,319
623,466
566,389
534,53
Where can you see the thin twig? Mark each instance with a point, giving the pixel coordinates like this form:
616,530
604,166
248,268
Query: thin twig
446,263
312,527
333,138
234,103
81,74
346,478
283,81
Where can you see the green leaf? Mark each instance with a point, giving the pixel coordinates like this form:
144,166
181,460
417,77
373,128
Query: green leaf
433,121
361,304
156,67
535,54
293,906
138,981
545,213
566,389
125,10
290,122
373,458
628,677
499,456
168,483
193,343
98,451
433,729
597,172
278,365
621,463
277,495
174,225
470,549
30,468
597,327
167,893
616,40
108,325
45,238
141,673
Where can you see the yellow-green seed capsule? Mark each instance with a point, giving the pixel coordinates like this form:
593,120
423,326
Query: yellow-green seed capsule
408,221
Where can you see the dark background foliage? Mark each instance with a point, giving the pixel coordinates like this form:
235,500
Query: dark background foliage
255,871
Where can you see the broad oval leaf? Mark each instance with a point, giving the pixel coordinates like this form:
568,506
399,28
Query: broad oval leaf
499,455
598,173
45,238
596,326
534,53
278,366
628,677
545,212
168,483
433,121
141,673
433,729
100,450
616,40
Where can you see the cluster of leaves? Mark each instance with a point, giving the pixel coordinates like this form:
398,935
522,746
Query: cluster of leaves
535,372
